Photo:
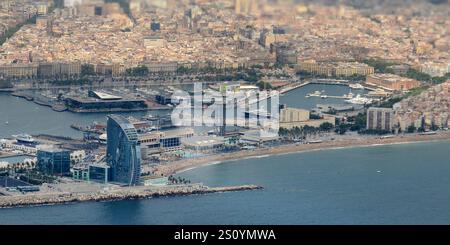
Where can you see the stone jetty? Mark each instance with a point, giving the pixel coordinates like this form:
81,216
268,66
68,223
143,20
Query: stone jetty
122,193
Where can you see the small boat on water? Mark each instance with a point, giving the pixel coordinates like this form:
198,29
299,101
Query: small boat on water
348,96
150,117
315,94
6,122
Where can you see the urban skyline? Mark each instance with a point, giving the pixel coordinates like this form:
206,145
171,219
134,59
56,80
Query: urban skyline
238,111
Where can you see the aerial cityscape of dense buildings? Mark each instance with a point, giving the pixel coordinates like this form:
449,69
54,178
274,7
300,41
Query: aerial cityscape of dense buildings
14,13
429,109
120,74
216,33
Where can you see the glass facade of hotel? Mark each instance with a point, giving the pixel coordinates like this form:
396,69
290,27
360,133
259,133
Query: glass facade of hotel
170,142
53,161
123,151
99,173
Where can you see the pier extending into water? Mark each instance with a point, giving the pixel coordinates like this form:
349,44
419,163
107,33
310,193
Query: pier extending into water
293,86
122,193
300,84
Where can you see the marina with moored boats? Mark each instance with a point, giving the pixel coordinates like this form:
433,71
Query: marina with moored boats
349,98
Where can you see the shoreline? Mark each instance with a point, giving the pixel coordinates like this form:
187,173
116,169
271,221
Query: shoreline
357,142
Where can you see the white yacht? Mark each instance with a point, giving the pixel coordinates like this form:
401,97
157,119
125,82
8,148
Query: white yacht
359,100
315,94
356,86
348,96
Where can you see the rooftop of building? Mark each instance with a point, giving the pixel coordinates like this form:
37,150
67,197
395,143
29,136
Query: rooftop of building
380,109
106,96
169,133
204,141
51,149
84,99
389,77
126,126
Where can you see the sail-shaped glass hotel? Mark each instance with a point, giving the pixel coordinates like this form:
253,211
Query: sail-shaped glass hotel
123,151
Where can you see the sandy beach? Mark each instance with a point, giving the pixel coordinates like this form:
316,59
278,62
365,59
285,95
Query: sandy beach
357,141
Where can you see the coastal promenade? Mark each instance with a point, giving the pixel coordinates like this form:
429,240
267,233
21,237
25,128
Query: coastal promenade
293,86
356,141
121,193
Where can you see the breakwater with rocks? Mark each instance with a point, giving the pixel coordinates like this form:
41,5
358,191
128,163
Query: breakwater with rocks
123,193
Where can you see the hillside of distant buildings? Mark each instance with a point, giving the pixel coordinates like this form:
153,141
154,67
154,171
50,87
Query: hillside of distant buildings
430,108
167,34
16,12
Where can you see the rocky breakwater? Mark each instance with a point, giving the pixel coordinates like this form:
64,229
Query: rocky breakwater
122,193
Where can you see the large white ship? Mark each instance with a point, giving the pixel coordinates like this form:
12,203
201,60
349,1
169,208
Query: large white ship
356,86
24,138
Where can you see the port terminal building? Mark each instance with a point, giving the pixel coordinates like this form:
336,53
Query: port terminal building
157,142
204,143
99,101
